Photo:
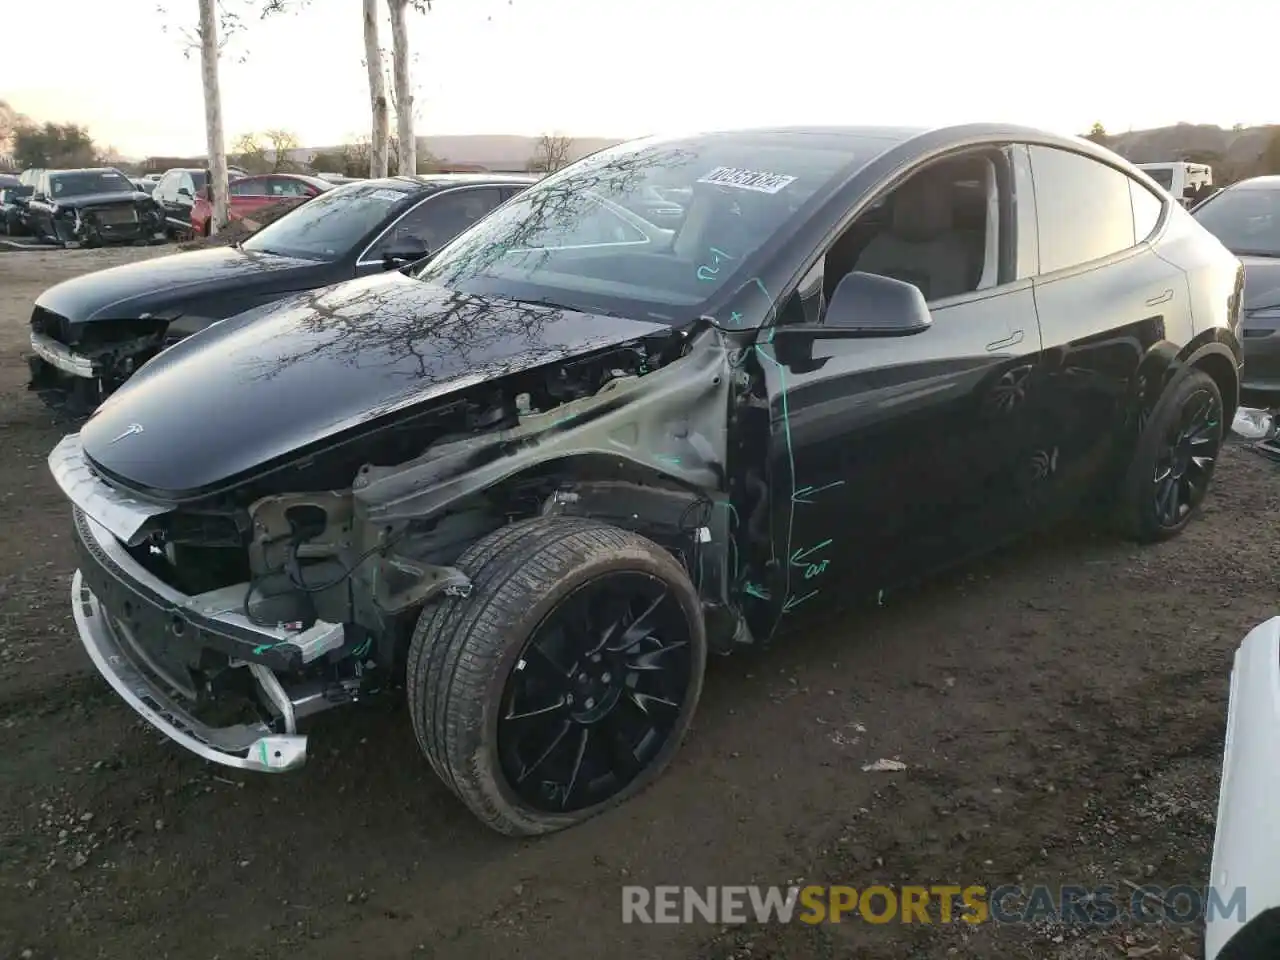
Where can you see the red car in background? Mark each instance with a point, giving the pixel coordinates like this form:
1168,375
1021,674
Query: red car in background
254,192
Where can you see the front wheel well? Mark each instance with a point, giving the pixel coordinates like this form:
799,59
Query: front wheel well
1224,374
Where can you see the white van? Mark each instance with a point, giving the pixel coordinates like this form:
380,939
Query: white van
1188,182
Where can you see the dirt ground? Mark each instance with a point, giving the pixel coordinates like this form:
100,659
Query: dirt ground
1059,708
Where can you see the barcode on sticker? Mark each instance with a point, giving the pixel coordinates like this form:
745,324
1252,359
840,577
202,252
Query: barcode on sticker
757,180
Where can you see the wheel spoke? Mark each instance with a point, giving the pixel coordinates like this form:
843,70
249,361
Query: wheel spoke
646,701
648,660
542,758
577,767
1202,463
538,714
621,749
638,627
1166,500
613,621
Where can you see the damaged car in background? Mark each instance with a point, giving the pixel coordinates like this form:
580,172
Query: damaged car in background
92,207
90,333
533,481
13,206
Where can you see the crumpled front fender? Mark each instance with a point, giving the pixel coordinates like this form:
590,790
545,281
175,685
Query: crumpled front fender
672,421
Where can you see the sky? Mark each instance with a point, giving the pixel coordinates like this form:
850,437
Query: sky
622,68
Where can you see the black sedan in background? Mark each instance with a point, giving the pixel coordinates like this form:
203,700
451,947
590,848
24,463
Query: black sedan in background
91,207
90,333
1246,218
13,206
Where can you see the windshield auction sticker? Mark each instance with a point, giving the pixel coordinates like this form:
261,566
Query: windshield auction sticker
748,179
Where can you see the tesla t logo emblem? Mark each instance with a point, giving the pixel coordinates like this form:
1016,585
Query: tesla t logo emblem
129,431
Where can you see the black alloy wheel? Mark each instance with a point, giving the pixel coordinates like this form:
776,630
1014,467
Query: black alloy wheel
1187,457
565,681
596,694
1174,456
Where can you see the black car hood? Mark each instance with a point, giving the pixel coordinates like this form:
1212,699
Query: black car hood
154,286
82,201
263,387
1261,282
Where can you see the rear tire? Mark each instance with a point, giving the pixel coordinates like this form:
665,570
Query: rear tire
579,656
1174,460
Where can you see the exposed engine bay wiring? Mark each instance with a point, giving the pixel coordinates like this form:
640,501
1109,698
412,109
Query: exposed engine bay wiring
293,572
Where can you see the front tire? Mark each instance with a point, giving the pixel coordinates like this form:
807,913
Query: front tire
564,683
1174,460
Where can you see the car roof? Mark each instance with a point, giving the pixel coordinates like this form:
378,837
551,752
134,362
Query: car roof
55,173
304,177
1269,182
437,181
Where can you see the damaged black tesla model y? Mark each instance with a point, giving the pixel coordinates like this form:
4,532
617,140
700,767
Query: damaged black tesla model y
537,479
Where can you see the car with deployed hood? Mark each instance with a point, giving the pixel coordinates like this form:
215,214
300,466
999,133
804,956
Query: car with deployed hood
13,205
90,208
90,333
533,480
1246,218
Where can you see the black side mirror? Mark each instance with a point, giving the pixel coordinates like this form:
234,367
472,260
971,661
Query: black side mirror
184,192
869,305
395,258
863,305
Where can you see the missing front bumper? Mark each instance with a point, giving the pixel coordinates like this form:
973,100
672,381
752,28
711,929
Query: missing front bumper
245,746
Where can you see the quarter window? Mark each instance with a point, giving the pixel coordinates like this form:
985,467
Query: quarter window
1147,208
1084,208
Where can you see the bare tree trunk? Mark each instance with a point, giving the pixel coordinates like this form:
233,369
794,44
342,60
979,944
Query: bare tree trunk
404,88
216,146
377,92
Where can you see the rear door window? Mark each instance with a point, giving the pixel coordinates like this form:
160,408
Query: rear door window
1084,207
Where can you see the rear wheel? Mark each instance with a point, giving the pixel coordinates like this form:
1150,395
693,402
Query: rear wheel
565,682
1174,461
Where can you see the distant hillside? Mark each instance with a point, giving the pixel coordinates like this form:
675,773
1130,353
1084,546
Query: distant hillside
1234,154
492,151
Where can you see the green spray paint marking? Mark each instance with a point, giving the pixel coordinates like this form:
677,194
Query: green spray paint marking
759,592
804,494
793,602
801,559
709,271
791,455
260,650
